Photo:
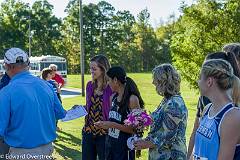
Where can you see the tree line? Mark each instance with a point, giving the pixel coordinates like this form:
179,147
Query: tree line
132,43
203,27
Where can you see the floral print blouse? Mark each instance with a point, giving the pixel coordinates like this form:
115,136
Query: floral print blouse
168,130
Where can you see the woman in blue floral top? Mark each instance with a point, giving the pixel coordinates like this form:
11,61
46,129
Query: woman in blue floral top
166,139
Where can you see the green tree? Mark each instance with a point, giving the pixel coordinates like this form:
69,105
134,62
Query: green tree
204,27
104,32
125,49
147,43
13,25
164,35
45,28
15,17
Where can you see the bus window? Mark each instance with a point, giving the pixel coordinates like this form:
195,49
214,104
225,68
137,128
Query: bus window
34,66
64,66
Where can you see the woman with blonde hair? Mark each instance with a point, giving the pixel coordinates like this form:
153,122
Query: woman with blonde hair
218,135
166,139
203,101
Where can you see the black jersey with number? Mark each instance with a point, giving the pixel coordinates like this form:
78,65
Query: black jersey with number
117,140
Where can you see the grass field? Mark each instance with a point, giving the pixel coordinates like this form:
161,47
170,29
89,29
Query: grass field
68,144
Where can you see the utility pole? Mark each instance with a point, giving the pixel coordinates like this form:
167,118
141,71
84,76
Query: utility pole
29,36
81,46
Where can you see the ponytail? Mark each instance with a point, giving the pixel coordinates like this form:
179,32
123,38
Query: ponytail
130,89
133,89
236,90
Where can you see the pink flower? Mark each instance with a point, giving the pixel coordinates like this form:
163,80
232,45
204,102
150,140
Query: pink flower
139,120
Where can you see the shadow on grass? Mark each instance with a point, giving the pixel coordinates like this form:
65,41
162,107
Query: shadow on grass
66,145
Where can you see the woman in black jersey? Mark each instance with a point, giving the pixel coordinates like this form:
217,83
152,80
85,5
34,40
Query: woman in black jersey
126,98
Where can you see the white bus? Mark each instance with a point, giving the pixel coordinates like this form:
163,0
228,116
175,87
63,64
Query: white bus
37,64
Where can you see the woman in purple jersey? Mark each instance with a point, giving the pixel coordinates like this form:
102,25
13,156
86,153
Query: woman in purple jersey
98,94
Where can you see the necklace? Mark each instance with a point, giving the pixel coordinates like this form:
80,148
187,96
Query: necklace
98,91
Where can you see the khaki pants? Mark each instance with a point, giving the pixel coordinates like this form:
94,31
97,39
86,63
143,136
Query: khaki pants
43,152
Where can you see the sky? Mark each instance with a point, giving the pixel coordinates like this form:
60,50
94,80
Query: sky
159,9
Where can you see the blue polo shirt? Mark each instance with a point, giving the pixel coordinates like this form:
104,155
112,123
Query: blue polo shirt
28,112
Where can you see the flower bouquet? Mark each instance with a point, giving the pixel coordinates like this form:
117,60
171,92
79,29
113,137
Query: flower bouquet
140,121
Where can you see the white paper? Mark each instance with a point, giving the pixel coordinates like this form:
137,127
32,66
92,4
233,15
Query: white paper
77,112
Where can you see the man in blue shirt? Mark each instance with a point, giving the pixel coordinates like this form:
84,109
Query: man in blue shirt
28,110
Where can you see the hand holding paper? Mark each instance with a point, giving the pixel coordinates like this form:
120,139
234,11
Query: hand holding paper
75,112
